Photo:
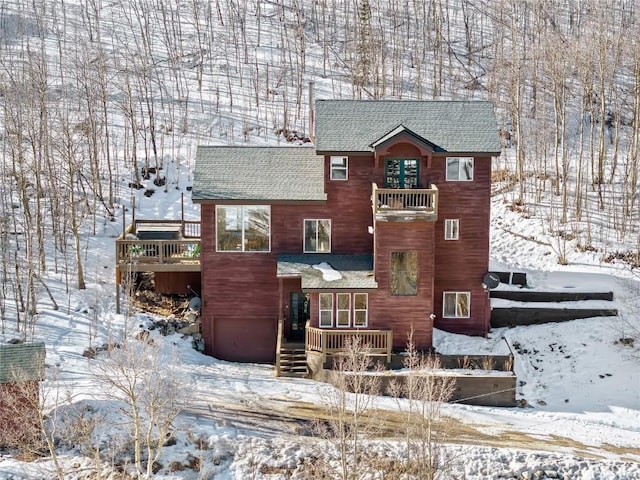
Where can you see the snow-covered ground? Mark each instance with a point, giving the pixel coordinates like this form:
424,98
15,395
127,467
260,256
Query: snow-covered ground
580,383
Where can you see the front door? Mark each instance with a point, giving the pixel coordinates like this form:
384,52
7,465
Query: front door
299,314
401,173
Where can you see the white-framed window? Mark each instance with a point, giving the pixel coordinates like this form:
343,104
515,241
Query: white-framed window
343,310
317,236
243,228
326,310
351,310
456,304
451,228
339,168
459,169
360,309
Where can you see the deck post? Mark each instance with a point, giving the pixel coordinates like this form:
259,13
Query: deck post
118,298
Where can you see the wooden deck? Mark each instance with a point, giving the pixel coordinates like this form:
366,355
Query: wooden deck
159,246
411,205
331,342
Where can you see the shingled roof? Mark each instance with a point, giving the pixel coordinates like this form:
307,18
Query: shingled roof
350,126
258,174
21,362
355,271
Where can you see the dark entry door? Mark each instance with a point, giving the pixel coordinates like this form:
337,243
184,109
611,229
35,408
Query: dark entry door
299,314
401,173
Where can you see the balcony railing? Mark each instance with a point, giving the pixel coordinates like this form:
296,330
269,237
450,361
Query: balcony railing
392,204
331,342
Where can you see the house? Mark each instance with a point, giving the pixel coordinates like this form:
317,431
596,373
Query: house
21,370
379,227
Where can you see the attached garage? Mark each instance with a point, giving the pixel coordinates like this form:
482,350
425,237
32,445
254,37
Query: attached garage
245,339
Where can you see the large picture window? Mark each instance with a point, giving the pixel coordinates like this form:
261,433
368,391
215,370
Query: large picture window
456,304
404,273
243,228
339,168
459,169
317,236
326,310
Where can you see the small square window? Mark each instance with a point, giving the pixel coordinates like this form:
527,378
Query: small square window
459,169
456,304
339,168
451,229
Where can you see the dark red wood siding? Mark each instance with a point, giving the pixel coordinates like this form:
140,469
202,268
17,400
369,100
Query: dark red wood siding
19,411
461,264
244,286
176,283
404,313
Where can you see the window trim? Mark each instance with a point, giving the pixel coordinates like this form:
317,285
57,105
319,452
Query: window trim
242,208
304,234
456,293
338,310
365,310
320,310
459,160
340,168
448,222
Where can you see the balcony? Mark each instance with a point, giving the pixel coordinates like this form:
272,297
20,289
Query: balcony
408,205
159,246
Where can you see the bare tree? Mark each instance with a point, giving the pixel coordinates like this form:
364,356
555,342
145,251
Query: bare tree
421,394
348,406
141,375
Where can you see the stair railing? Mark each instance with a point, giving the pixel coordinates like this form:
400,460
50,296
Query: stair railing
279,346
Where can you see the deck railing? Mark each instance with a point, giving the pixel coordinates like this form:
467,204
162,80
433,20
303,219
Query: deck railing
183,251
331,342
187,228
408,200
158,251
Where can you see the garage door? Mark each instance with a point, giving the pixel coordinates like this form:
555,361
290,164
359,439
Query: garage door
242,339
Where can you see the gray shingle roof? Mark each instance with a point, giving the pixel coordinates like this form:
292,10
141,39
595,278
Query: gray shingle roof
356,271
453,126
258,174
21,361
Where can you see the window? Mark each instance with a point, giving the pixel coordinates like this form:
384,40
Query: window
351,310
326,310
339,168
459,169
360,309
404,273
317,236
456,304
451,227
343,310
245,228
401,173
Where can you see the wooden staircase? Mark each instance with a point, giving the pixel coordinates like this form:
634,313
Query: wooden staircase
293,360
